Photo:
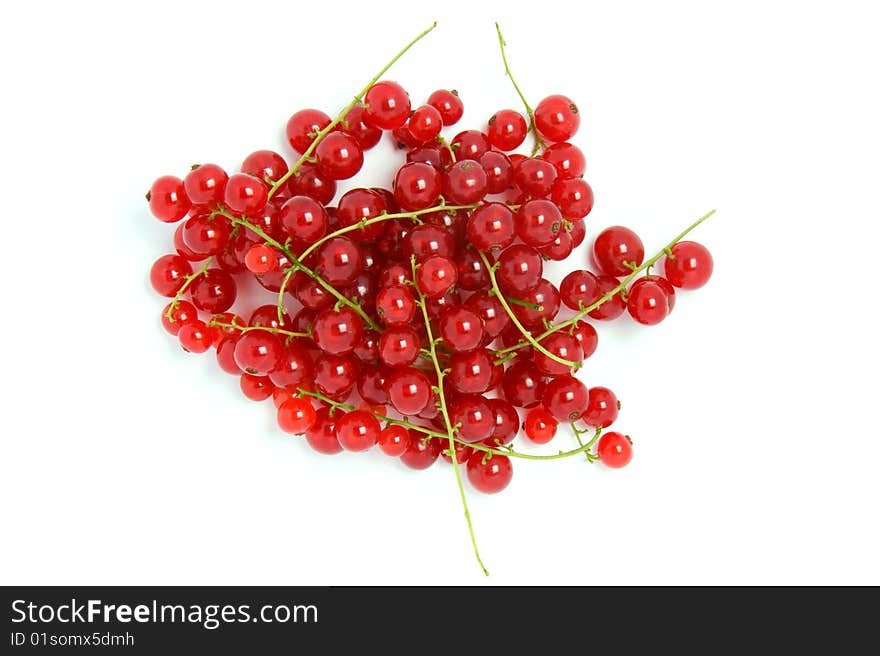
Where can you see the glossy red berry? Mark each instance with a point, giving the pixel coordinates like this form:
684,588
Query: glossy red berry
426,240
690,266
205,236
307,181
448,104
168,199
579,288
567,158
563,346
226,355
475,418
394,440
520,269
417,186
295,368
354,124
182,313
540,425
499,171
339,261
196,337
338,331
546,299
214,291
461,329
296,416
357,431
399,346
565,398
261,259
360,205
168,274
421,453
304,219
602,408
490,310
258,352
617,250
489,474
557,118
436,275
395,304
470,371
322,434
303,126
464,183
339,156
205,184
409,391
425,124
614,306
491,226
647,302
614,450
472,273
507,129
386,105
574,197
534,177
266,165
523,384
336,375
470,144
256,388
587,337
506,422
538,222
245,194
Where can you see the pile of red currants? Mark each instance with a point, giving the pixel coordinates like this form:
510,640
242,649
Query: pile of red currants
415,318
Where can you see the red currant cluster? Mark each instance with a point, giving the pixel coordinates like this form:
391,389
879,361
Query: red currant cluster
422,318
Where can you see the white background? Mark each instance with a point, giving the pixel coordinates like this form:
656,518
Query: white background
752,408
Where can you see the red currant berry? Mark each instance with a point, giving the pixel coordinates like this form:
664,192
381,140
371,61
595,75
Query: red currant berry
261,259
470,144
602,408
339,156
205,236
523,384
579,288
425,124
577,231
362,205
425,155
409,391
647,302
168,274
196,337
565,398
295,367
436,275
472,273
417,186
421,453
476,419
587,337
322,435
245,194
461,328
614,306
182,249
574,197
338,331
205,184
506,422
563,346
464,183
256,388
371,383
538,222
386,105
489,474
568,159
367,136
339,260
520,269
395,304
617,250
309,182
614,450
470,371
507,129
357,430
490,310
546,297
182,313
394,440
265,165
303,127
428,239
311,294
690,266
214,291
336,375
499,171
399,346
558,249
491,226
448,104
226,356
296,416
535,177
540,426
557,118
258,352
304,219
168,199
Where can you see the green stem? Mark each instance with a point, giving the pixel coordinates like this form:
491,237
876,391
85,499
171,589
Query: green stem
186,283
445,412
577,434
516,301
445,144
246,329
623,285
306,156
490,269
300,266
283,289
539,142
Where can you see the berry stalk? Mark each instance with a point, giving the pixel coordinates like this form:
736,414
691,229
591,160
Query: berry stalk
186,283
539,142
339,118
